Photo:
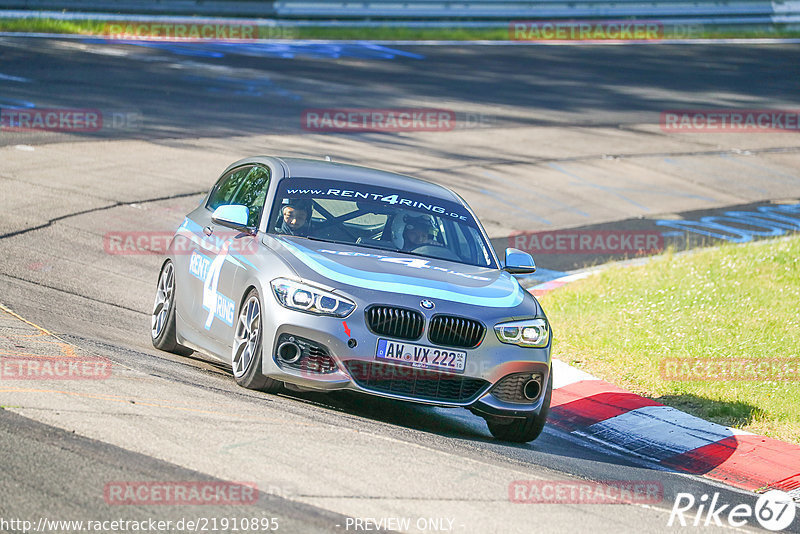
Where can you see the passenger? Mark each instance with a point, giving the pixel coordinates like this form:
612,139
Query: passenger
419,231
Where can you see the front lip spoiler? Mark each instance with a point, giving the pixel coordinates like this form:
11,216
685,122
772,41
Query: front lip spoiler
429,402
490,405
483,403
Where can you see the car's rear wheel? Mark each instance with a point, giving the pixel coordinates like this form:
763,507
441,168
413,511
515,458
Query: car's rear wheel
162,321
519,430
247,347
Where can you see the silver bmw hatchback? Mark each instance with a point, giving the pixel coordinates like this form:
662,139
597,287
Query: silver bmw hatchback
314,275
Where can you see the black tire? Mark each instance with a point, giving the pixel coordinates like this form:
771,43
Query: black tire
248,374
520,430
164,337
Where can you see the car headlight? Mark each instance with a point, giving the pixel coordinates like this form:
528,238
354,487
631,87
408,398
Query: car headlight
303,297
527,333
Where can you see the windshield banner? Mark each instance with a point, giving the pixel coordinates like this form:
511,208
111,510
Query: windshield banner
375,196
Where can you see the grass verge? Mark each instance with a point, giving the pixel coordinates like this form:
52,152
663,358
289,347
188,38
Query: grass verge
391,33
734,302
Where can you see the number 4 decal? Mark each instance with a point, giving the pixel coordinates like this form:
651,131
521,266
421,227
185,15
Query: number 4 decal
409,262
210,293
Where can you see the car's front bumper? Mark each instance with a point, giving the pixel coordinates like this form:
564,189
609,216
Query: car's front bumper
349,340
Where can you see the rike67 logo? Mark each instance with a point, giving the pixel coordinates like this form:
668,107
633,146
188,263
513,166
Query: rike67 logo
774,510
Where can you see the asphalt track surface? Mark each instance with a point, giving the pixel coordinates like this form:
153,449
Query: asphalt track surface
549,137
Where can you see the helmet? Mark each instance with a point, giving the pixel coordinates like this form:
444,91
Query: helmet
404,221
422,223
298,204
419,224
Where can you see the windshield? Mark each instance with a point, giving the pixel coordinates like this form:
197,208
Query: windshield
379,217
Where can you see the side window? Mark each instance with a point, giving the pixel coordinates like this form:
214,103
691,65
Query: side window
253,193
245,186
226,188
461,243
467,244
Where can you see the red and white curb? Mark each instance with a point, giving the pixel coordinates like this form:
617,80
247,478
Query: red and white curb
592,408
546,287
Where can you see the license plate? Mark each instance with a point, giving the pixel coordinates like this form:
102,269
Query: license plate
422,356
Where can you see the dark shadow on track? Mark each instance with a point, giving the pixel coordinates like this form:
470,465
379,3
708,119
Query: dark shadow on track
171,89
456,423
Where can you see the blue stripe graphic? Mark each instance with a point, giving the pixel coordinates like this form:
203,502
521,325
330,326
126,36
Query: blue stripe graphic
502,293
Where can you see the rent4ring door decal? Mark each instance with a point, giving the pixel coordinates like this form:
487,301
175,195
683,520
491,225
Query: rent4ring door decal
217,304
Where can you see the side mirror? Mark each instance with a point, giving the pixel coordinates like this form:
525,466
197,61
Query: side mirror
518,262
232,216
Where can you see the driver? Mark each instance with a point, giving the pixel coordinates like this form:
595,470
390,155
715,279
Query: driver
419,231
295,216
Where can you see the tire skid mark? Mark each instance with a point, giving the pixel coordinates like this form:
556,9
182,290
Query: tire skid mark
68,351
126,400
74,294
117,204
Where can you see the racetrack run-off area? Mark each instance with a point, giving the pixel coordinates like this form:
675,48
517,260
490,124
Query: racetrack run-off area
540,140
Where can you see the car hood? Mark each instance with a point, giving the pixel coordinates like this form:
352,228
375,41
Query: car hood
377,270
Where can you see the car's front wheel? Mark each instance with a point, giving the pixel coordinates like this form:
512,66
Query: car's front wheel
247,347
162,321
523,430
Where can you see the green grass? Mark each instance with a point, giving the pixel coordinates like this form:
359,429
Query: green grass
735,301
387,33
43,25
494,34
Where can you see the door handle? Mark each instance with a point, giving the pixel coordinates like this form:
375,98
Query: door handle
208,230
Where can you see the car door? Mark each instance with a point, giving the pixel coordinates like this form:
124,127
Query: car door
198,249
229,251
